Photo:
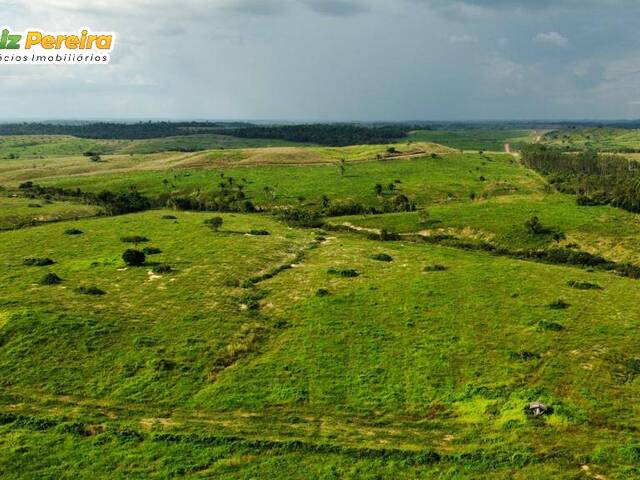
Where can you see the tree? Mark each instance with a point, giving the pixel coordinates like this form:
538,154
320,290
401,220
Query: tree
325,202
533,226
342,167
214,223
378,189
134,258
95,157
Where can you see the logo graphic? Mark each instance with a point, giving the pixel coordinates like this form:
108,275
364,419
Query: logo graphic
36,47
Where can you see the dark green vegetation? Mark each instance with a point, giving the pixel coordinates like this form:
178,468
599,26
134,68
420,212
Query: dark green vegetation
334,330
597,179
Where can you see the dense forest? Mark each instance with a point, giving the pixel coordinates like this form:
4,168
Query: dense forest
597,179
322,134
118,131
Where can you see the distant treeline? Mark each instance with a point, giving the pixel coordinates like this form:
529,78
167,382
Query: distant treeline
596,179
322,134
117,131
336,135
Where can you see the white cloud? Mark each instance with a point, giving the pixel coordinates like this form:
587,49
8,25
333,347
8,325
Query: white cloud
552,38
462,39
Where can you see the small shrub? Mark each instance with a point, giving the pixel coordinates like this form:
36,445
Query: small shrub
90,290
524,355
382,257
259,232
151,250
133,258
435,268
134,239
232,282
37,262
550,326
34,205
583,285
73,231
558,304
322,292
214,223
347,272
162,269
534,227
169,217
50,279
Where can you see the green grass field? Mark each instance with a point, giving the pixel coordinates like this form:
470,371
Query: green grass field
16,212
604,139
41,146
604,230
423,179
476,138
272,351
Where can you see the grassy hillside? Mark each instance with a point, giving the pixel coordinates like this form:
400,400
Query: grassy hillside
605,139
264,349
14,171
475,138
38,146
604,230
397,358
423,179
18,212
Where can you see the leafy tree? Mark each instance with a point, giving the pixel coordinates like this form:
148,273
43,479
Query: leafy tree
214,223
378,189
134,258
534,227
342,167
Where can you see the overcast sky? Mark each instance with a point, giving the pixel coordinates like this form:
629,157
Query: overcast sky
335,60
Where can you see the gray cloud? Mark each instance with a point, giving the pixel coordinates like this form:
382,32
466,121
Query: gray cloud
336,7
289,59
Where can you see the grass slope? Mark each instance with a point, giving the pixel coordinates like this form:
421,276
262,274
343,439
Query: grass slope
424,179
475,138
605,230
396,358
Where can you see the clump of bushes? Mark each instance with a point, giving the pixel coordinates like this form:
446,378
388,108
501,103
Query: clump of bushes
583,285
214,223
346,272
301,217
550,326
37,262
322,292
73,231
151,250
558,304
534,227
384,236
50,279
524,355
161,269
435,268
90,290
382,257
259,232
136,239
133,258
